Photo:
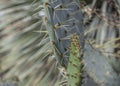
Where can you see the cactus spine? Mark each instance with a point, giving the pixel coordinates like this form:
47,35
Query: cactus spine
75,64
64,24
64,19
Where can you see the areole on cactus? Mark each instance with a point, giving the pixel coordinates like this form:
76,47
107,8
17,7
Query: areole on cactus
83,34
64,18
64,21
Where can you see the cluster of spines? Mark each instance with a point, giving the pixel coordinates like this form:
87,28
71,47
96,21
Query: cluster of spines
75,64
63,26
66,30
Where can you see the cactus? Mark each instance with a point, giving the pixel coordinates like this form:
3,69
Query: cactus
58,13
97,66
25,50
62,24
75,65
66,25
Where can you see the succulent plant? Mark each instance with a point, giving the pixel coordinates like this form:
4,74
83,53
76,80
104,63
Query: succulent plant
82,39
57,13
63,22
97,66
25,51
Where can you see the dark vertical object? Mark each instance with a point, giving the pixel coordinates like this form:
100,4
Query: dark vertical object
66,18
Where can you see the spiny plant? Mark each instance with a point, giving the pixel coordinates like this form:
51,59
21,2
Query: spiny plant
27,56
108,35
25,51
58,29
106,39
75,65
62,25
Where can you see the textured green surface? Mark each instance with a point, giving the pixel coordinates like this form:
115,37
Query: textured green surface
74,68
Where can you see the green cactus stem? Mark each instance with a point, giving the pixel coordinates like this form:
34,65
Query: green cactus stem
75,65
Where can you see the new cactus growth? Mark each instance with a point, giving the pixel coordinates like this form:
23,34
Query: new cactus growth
75,65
